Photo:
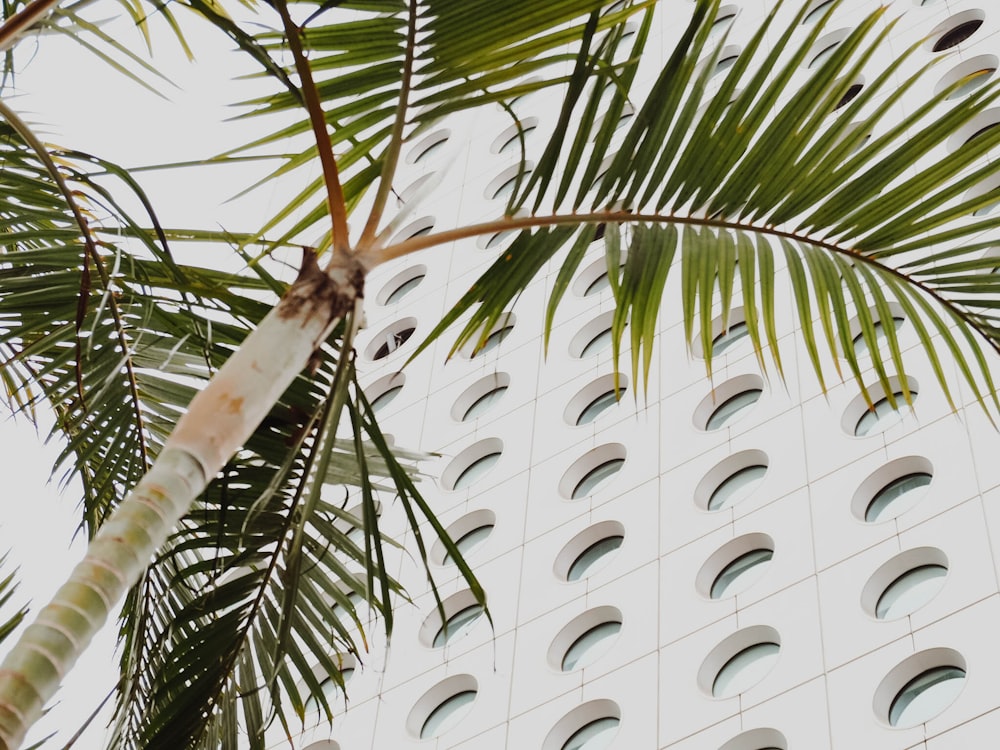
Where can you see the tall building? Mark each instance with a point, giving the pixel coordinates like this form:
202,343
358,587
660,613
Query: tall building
741,564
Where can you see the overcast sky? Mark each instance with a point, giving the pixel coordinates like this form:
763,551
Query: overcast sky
79,102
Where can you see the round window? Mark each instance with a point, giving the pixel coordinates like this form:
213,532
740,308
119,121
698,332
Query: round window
593,471
598,285
484,403
480,397
910,591
730,338
817,12
971,81
448,714
597,477
472,464
897,497
476,470
745,669
597,344
386,398
590,646
737,487
852,91
825,54
597,735
882,415
861,345
757,739
458,625
920,687
926,695
725,63
590,726
401,285
957,34
513,143
470,541
429,146
595,399
403,289
741,573
732,408
392,342
493,340
595,557
330,689
598,406
468,533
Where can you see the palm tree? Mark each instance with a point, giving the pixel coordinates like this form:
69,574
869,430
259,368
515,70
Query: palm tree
208,413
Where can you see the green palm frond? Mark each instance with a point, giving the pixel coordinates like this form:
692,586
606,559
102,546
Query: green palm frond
363,55
8,588
231,625
738,170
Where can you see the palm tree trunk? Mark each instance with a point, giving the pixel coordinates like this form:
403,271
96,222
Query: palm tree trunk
219,420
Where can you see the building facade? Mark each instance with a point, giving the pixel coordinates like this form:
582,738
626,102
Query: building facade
736,564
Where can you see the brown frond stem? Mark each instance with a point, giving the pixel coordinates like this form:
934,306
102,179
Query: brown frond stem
14,27
377,256
396,138
317,119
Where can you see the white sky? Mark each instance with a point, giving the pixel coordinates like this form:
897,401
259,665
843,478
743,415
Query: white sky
79,102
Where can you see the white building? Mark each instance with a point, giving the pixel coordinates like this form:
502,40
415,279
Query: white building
788,574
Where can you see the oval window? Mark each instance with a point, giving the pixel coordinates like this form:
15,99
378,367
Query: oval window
822,56
484,403
970,82
737,487
590,646
598,406
723,22
816,13
925,696
745,670
598,343
330,689
514,142
458,625
957,35
507,188
597,735
476,470
897,497
403,289
595,557
448,714
741,573
493,340
431,145
853,90
861,345
598,285
882,416
499,238
597,477
392,341
386,398
728,339
470,541
732,408
910,591
725,64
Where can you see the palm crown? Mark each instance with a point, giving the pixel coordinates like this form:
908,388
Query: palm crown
730,166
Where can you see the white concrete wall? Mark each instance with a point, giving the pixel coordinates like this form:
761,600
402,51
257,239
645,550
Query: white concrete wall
821,692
